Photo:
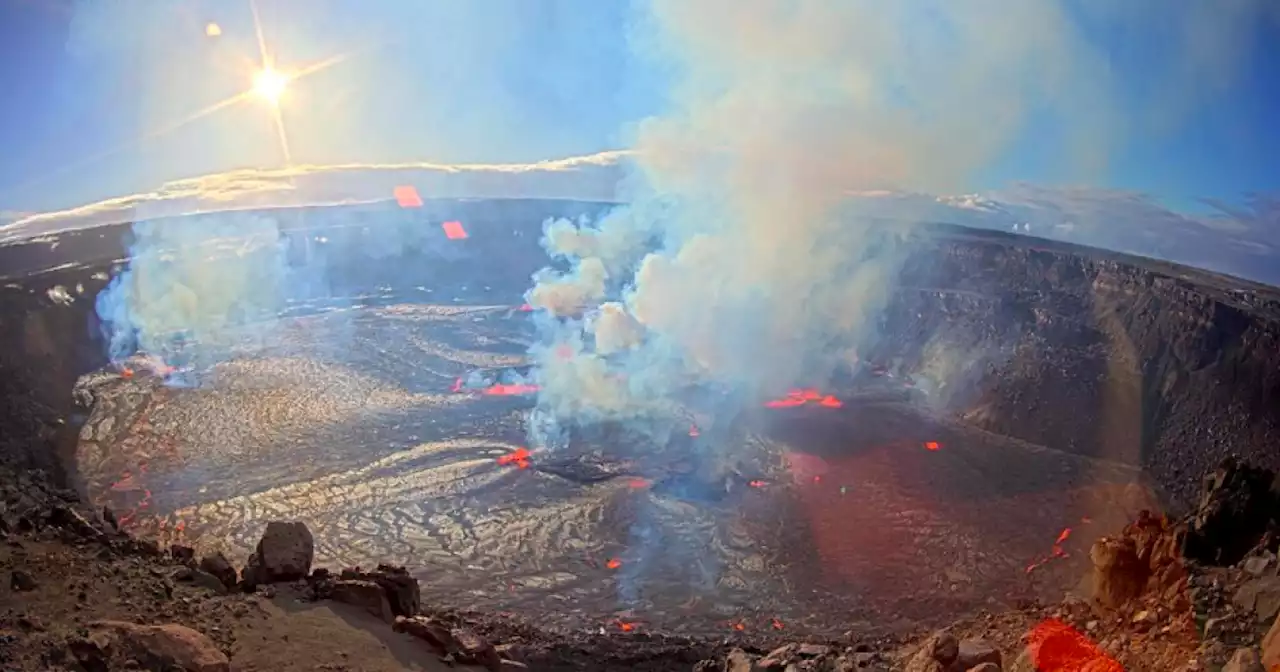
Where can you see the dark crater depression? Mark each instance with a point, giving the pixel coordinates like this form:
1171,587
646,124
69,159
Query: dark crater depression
1024,389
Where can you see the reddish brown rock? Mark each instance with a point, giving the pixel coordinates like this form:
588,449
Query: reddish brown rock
1119,575
428,630
218,565
364,594
476,650
165,646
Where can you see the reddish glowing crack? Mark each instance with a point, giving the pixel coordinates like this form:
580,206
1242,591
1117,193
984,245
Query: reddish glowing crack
801,397
519,458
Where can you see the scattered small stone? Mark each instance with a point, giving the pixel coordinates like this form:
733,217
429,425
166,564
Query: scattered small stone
474,649
20,581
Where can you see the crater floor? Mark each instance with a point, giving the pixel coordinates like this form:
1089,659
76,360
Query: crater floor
806,517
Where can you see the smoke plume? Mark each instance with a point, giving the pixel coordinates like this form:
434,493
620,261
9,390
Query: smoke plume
734,262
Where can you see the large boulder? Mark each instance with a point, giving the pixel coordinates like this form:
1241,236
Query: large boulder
161,647
283,554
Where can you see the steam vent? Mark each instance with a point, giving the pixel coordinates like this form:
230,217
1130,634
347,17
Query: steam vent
281,415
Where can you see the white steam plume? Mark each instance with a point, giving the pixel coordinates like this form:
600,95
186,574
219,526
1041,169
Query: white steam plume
783,108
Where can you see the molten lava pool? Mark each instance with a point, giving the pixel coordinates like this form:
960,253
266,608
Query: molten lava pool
820,513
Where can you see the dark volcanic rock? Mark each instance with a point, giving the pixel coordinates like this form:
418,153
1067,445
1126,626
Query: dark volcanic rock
364,594
284,554
401,589
1238,506
218,565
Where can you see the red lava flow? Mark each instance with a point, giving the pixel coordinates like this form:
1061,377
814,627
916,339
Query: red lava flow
519,457
1058,647
1057,552
803,396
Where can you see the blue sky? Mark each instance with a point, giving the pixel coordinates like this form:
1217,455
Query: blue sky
523,80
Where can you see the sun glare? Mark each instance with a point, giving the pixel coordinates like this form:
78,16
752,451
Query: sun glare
270,85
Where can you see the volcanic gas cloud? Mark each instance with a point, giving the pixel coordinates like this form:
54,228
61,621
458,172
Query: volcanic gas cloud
736,261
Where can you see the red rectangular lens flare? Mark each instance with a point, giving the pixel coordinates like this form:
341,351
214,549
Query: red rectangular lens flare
454,230
407,197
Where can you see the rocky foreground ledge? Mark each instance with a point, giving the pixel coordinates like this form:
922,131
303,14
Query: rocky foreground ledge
1197,594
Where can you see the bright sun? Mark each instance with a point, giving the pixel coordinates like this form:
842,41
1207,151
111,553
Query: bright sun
270,85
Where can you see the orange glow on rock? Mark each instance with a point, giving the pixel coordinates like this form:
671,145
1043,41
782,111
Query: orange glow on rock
407,196
126,372
1058,647
613,563
454,230
932,445
625,626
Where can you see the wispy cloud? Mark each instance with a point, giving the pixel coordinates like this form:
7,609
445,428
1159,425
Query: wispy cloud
589,178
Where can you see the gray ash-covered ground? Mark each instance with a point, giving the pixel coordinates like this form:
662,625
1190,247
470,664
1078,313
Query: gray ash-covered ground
810,517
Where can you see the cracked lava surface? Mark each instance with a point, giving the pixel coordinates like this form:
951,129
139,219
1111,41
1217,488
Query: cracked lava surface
814,517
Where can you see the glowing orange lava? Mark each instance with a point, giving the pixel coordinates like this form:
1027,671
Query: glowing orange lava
407,196
777,625
802,396
1058,647
126,372
625,626
518,457
1057,552
638,483
454,230
932,445
613,563
502,390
